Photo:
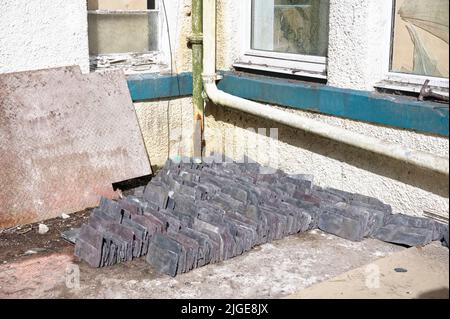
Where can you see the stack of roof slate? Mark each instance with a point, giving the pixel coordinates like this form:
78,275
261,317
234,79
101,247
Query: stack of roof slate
193,214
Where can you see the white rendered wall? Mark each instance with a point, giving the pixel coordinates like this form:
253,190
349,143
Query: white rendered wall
359,57
39,34
47,33
359,43
407,189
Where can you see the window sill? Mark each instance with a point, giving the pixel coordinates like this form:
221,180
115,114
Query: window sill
147,87
413,83
143,11
393,111
314,68
130,63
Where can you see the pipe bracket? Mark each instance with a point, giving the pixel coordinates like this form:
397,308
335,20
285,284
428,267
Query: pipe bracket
195,39
211,78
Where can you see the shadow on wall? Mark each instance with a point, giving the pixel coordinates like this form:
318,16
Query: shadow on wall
408,174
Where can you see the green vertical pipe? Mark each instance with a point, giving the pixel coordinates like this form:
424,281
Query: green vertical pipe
196,40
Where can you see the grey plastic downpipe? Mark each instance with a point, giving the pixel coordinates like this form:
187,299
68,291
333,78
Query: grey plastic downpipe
398,152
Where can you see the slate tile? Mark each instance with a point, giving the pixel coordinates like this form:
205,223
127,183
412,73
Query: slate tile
156,196
192,214
404,235
163,260
89,246
341,226
190,246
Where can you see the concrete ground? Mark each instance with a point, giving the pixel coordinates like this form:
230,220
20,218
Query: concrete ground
274,270
421,273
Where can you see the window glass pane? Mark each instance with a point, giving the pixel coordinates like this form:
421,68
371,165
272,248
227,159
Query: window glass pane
420,43
290,26
123,32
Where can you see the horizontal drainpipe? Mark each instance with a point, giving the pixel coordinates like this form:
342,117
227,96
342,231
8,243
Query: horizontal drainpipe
398,152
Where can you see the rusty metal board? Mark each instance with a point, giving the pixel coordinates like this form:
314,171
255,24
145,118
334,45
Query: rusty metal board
65,138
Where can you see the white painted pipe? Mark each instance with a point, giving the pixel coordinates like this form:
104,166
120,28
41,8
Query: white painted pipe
417,158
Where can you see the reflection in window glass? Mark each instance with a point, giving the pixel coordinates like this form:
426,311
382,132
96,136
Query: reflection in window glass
121,32
122,26
420,43
290,26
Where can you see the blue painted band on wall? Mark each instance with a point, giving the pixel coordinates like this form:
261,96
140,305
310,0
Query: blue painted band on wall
153,86
395,111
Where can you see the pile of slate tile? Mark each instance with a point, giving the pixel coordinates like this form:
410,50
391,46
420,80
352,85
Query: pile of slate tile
191,215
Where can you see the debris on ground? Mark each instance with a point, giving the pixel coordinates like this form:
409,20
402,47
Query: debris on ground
43,229
15,242
128,62
22,232
34,251
401,270
193,214
71,235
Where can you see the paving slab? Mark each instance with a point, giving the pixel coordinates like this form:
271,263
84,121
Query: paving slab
415,273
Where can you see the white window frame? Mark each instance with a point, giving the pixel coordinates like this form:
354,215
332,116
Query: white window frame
407,82
286,63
